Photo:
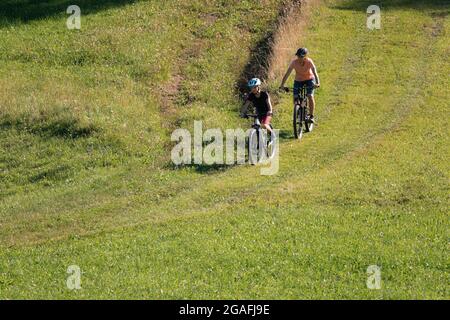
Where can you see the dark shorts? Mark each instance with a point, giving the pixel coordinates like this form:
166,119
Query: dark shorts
309,87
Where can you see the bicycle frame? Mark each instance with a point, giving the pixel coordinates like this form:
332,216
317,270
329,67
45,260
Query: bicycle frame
258,139
256,123
301,111
302,97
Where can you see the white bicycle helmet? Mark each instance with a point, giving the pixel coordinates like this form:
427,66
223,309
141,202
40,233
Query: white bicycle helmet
254,82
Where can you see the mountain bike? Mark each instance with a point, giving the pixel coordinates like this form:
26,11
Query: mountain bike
261,145
301,122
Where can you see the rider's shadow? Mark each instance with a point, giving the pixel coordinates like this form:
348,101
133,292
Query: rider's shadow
203,168
210,168
285,135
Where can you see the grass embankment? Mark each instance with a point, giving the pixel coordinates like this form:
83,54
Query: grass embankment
368,187
86,115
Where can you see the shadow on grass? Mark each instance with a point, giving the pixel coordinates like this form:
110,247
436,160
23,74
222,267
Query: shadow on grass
362,5
213,168
58,173
22,11
59,128
202,168
286,134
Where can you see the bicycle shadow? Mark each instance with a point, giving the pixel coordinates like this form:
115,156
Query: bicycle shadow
203,168
211,168
285,134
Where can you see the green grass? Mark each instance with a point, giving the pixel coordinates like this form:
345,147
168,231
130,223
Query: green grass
368,187
75,131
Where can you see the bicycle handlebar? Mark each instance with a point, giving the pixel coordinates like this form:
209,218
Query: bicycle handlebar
287,89
253,115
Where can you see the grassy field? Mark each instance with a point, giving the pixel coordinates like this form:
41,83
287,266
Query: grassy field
85,123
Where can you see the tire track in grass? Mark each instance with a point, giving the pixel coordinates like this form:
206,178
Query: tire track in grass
374,140
414,100
222,189
223,192
214,192
195,279
399,115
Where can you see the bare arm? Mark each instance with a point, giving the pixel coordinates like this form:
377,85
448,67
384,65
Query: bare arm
269,102
245,107
286,76
314,70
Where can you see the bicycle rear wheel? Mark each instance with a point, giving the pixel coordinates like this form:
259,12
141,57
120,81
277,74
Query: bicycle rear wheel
297,122
309,126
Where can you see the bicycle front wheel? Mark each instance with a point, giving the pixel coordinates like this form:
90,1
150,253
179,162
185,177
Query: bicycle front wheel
253,146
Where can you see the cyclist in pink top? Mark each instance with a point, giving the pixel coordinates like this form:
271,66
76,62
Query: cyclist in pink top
305,75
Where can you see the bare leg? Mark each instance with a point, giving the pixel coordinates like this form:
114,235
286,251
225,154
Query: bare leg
268,128
312,104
